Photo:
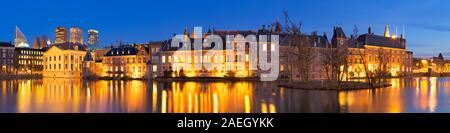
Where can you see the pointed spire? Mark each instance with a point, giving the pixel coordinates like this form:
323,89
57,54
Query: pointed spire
186,31
193,34
278,26
386,31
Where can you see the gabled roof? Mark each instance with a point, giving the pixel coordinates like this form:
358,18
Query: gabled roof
377,40
338,32
88,56
6,44
70,46
122,51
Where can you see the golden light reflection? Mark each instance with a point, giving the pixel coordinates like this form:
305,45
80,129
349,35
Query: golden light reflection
61,95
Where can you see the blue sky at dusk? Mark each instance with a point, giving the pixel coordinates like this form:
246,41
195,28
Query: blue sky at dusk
426,22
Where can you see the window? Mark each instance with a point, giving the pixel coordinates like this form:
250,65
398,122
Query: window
155,68
163,59
264,47
246,57
272,47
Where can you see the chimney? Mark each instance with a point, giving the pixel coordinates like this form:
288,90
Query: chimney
370,30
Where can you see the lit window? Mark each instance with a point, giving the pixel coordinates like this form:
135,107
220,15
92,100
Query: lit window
155,68
170,59
246,57
163,59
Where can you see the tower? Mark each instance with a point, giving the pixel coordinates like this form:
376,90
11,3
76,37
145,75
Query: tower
93,39
37,43
76,35
61,35
19,39
386,31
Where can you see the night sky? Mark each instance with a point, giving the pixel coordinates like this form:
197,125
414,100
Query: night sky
426,22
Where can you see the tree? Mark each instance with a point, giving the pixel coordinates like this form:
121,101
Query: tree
301,56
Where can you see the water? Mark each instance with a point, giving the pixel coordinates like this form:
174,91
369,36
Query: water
50,95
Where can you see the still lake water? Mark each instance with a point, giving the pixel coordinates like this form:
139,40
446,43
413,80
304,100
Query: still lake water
50,95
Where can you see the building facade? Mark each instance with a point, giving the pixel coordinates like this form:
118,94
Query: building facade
7,59
61,35
125,61
29,61
385,55
93,39
213,60
64,60
76,35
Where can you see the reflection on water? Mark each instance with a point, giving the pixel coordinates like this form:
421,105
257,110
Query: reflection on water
76,95
416,95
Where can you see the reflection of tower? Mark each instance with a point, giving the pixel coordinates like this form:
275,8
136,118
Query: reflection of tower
61,35
76,35
19,39
93,39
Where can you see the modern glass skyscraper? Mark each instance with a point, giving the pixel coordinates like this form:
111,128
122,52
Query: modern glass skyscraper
93,39
61,35
76,35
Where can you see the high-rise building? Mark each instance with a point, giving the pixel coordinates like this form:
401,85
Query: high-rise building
45,41
93,39
19,39
61,35
37,43
76,35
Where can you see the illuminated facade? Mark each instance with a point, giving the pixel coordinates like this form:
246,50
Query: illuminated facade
6,59
64,60
384,54
29,61
61,35
316,71
434,66
125,61
152,66
93,39
228,62
76,35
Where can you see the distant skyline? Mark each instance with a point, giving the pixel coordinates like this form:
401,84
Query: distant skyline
138,21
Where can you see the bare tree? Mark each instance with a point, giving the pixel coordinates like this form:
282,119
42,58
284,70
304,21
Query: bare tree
382,59
340,63
302,50
369,75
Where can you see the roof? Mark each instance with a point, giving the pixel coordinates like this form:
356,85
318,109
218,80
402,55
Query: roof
23,48
122,50
377,40
321,41
6,44
70,46
88,56
338,32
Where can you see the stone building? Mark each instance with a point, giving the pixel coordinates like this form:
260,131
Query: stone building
64,60
126,61
7,63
